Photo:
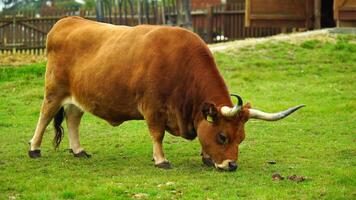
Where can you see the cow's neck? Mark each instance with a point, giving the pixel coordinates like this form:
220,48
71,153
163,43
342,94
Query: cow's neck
192,116
218,96
212,89
202,84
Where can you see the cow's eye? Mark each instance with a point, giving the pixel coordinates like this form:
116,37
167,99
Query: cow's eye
222,139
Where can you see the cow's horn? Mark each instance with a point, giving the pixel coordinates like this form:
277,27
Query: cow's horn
257,114
231,112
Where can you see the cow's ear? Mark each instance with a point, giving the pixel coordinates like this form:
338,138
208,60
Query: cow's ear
210,112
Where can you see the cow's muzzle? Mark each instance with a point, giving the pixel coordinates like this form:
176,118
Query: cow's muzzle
228,165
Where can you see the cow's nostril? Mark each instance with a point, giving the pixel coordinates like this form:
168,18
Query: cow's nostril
232,166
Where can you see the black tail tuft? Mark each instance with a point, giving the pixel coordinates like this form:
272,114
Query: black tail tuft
58,129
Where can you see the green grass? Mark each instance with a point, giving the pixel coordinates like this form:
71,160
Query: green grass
317,142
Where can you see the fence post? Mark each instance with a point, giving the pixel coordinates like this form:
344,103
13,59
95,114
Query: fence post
180,13
163,6
317,14
99,11
188,15
14,33
209,23
184,18
147,11
139,14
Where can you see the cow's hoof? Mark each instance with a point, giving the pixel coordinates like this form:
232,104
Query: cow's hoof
35,153
164,165
81,154
208,162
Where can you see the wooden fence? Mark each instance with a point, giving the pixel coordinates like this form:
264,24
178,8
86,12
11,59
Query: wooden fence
226,22
27,31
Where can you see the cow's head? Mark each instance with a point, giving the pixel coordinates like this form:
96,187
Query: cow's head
222,130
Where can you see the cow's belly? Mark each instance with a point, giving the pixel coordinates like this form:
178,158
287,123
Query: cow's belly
113,114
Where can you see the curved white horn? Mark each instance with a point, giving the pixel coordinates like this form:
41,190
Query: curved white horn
231,112
257,114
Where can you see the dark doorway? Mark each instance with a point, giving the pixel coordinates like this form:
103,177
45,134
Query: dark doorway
327,14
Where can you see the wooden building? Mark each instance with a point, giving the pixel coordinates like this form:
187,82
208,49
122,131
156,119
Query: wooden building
307,14
345,13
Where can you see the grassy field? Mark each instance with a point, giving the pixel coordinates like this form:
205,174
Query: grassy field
318,142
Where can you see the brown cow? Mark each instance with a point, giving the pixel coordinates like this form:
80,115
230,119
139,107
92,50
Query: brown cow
164,75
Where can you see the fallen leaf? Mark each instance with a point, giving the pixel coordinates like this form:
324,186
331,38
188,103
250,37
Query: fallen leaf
12,197
277,177
170,183
140,196
296,178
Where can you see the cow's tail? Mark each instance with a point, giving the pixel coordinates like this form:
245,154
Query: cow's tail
58,129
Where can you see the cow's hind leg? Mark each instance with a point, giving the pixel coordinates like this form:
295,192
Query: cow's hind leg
73,116
51,106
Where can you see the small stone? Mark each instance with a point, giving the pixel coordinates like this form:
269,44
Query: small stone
272,162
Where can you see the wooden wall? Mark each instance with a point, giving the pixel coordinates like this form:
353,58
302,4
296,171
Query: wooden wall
345,13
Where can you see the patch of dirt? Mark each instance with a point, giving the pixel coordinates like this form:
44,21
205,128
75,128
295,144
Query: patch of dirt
295,178
18,59
323,35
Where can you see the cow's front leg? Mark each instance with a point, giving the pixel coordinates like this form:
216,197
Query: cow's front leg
157,134
73,116
158,155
